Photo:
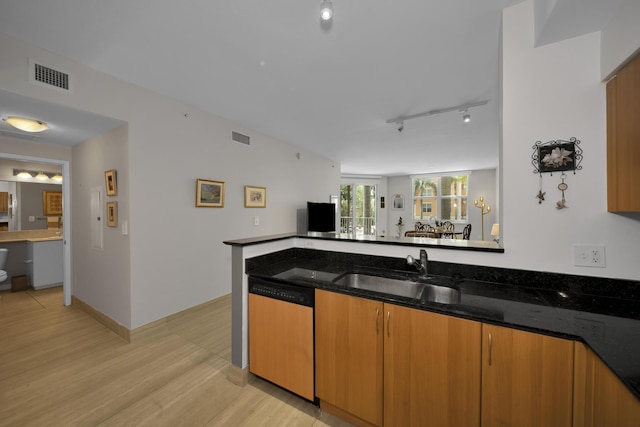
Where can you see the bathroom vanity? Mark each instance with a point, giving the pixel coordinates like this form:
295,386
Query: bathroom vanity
44,263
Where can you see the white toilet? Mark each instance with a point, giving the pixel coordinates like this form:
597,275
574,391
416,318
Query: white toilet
3,261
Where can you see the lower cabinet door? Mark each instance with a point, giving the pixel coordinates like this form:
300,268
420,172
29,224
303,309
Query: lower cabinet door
527,379
431,369
601,399
349,356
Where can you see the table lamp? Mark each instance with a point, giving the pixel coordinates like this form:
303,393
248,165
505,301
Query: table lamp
495,231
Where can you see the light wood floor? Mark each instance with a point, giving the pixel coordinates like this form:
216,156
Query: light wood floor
59,367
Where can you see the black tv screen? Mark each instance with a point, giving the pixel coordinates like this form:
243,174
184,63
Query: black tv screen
321,216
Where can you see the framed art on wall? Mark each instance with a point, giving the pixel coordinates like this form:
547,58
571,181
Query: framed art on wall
255,197
209,194
110,182
112,214
51,203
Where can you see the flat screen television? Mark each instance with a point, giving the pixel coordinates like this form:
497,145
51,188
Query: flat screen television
321,216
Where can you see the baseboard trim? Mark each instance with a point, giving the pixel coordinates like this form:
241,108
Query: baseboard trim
155,329
238,376
102,318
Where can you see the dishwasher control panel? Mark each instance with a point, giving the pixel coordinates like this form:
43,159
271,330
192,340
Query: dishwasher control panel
293,294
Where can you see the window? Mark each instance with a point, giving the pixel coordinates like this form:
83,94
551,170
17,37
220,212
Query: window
442,197
358,209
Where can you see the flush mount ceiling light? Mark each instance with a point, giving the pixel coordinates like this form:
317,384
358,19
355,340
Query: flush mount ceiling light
41,176
24,175
27,125
466,117
326,10
57,177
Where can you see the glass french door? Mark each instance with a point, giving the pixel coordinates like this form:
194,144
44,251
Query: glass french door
358,209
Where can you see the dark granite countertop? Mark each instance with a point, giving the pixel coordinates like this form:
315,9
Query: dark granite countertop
569,307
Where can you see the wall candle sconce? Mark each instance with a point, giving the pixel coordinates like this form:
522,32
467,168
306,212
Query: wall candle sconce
481,205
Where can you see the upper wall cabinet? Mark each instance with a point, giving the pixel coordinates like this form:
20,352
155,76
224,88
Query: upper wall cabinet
623,139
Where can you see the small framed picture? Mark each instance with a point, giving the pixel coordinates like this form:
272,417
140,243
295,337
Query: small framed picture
110,182
51,203
255,197
112,214
209,194
557,157
398,202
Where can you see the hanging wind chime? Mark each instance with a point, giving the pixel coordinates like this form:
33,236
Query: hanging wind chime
556,156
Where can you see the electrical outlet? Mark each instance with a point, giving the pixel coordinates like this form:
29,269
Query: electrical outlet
589,256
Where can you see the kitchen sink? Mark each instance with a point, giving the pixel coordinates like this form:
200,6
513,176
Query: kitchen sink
423,291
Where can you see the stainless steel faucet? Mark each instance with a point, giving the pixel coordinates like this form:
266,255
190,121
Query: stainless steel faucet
420,265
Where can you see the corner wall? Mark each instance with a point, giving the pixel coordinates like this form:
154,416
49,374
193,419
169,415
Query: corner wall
554,92
176,256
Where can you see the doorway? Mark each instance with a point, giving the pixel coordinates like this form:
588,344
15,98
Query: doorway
66,208
358,209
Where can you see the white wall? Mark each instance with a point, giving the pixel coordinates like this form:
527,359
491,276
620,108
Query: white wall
177,259
101,277
554,92
620,37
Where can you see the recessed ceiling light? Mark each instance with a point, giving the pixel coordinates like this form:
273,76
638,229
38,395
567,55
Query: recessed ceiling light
27,125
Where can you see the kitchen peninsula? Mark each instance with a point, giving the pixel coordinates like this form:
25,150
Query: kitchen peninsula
577,310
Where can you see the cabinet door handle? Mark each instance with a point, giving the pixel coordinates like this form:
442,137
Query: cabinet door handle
377,316
388,323
490,349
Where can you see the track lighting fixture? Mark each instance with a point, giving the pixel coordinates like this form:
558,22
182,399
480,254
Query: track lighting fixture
326,10
464,109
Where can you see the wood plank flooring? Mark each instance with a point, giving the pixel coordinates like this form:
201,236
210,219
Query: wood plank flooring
59,367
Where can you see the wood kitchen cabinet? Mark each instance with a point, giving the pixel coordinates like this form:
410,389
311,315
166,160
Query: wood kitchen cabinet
527,379
600,398
4,202
428,373
623,139
431,369
349,357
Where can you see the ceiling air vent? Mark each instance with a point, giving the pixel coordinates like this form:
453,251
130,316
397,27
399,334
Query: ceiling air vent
51,77
238,137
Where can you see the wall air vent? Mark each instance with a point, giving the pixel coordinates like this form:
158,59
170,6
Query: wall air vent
238,137
51,77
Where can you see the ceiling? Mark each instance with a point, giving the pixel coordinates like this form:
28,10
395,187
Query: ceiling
273,67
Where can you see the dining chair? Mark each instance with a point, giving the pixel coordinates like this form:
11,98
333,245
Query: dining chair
466,232
448,230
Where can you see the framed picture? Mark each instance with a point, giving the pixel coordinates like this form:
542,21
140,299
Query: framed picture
51,203
110,182
556,156
112,214
255,197
209,194
398,202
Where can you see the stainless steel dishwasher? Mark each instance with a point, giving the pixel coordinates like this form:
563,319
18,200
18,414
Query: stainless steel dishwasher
281,344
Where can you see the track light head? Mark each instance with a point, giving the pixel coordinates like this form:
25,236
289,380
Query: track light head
326,10
466,117
400,125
